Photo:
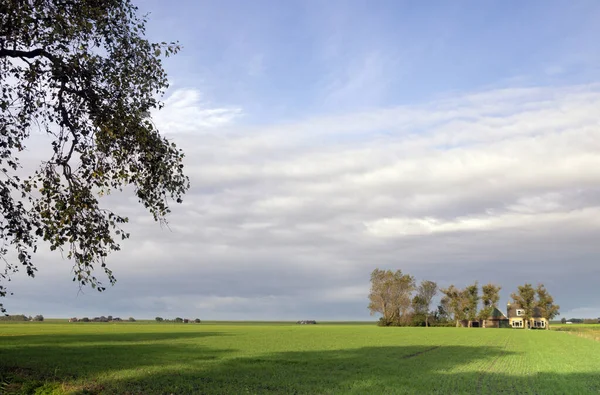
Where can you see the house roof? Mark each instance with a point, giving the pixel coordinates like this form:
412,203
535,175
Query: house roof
497,314
512,310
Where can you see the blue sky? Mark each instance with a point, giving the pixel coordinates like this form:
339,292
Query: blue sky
281,60
457,141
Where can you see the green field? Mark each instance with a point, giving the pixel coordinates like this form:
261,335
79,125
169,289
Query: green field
590,331
145,358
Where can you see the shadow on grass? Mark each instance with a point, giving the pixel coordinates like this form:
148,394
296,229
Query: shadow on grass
67,357
369,370
185,368
104,337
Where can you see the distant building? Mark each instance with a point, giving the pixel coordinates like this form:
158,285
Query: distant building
516,320
496,320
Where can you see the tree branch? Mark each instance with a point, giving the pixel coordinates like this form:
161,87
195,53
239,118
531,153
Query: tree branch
15,53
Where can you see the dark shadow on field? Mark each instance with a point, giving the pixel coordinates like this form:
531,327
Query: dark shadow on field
369,370
104,337
64,357
189,369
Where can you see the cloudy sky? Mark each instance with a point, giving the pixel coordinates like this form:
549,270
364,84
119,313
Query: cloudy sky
456,141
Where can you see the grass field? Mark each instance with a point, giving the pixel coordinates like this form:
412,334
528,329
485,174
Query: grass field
590,331
146,358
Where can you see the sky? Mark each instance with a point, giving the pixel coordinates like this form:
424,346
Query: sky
455,141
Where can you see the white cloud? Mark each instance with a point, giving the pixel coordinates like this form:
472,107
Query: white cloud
588,218
184,111
474,187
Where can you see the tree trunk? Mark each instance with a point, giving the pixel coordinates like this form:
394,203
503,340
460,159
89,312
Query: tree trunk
426,320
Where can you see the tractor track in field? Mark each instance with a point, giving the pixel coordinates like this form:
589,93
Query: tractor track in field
416,354
491,366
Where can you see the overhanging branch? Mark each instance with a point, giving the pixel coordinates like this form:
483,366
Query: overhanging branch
15,53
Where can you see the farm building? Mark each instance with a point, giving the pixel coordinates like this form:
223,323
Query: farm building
496,320
515,316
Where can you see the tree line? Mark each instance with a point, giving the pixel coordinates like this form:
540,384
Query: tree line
109,318
580,320
403,302
178,320
21,317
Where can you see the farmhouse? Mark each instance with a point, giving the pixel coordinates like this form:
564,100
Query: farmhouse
496,320
516,320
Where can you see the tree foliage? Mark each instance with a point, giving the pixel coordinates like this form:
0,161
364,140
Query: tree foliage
525,298
14,317
422,301
82,73
442,314
471,296
457,303
545,303
390,294
490,295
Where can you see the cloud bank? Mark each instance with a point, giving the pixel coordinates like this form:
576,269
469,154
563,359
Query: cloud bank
287,221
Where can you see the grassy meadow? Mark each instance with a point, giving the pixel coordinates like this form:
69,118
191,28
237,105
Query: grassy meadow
236,358
589,331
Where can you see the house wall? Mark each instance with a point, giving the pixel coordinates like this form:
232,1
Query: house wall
496,323
521,323
516,322
542,320
490,324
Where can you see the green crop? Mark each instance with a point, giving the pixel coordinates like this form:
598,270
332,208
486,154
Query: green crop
233,358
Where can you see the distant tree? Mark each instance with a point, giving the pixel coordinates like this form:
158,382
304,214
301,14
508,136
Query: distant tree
185,320
471,295
525,298
197,320
178,319
109,318
85,319
442,314
390,295
159,319
546,305
457,303
131,319
419,306
17,317
38,318
425,293
564,320
419,313
489,299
